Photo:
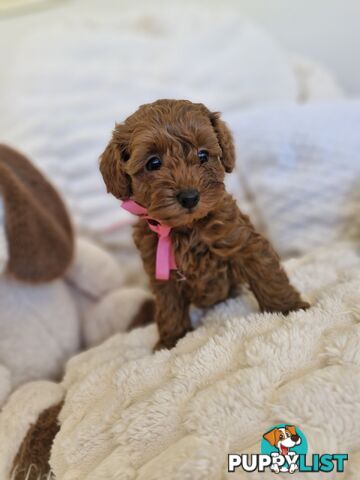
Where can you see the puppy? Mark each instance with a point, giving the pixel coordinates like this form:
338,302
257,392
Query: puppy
170,157
283,439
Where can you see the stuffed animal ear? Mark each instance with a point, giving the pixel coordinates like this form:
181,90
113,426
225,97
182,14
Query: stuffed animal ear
271,437
112,166
225,140
38,230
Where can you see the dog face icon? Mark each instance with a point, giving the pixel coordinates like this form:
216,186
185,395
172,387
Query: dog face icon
283,438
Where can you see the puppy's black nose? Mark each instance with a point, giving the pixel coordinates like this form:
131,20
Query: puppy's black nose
188,198
295,438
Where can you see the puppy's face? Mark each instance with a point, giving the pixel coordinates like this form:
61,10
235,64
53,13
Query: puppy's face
171,157
283,438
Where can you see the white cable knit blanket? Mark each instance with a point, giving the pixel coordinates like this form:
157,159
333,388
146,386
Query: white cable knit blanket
131,414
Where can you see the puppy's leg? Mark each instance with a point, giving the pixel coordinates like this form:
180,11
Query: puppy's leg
171,304
260,265
171,314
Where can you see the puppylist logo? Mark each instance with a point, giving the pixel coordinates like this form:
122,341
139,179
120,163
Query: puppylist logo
283,449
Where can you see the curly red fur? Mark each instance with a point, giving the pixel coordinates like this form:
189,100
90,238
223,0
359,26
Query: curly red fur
216,247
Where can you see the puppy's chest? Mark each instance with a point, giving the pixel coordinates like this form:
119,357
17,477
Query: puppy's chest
205,275
192,254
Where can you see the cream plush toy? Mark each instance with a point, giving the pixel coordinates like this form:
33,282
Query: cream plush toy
58,292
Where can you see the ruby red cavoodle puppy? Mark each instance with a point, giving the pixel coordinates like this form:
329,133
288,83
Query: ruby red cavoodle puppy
170,157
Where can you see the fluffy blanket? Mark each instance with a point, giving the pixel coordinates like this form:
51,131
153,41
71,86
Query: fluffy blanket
129,413
299,169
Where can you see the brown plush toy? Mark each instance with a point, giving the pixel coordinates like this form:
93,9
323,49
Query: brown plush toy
38,229
56,287
168,161
39,320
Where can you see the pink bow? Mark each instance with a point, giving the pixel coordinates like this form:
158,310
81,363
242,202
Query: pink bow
165,259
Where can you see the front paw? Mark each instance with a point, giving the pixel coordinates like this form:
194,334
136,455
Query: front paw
299,305
293,468
166,343
170,341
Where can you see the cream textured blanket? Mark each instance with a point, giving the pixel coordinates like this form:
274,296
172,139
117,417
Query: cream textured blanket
176,414
131,414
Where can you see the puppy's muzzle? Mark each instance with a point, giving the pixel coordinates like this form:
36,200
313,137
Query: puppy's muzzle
188,198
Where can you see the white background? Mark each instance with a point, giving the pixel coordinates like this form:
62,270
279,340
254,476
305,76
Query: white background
323,30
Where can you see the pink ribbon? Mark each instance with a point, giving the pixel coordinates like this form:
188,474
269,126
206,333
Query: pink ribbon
165,259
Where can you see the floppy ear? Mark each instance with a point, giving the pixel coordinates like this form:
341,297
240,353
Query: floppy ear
225,140
112,168
270,436
291,429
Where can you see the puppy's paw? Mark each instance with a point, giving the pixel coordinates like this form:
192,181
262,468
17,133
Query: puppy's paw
299,305
166,343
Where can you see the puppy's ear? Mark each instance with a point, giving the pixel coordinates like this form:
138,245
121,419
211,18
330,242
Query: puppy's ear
271,436
112,168
226,141
291,429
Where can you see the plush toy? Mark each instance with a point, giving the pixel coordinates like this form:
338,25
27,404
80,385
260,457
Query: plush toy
57,290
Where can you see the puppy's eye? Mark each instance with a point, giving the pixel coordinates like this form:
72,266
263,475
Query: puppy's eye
203,156
154,163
